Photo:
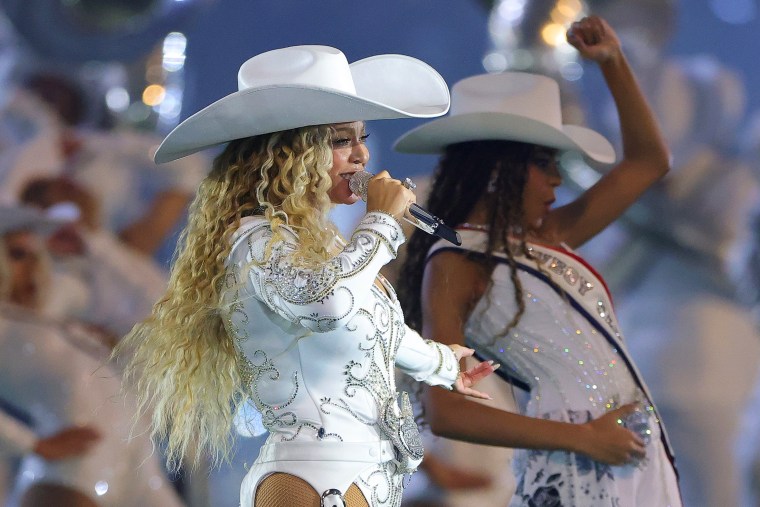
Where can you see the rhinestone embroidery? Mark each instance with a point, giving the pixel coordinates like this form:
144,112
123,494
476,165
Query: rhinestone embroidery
297,294
559,350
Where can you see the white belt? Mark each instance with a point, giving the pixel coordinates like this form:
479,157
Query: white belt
364,452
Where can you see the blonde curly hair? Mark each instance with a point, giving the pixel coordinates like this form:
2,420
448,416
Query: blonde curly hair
182,362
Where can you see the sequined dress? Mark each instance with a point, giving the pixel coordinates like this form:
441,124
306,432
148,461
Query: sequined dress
318,347
569,355
58,385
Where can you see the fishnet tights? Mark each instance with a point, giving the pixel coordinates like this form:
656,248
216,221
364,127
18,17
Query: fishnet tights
285,490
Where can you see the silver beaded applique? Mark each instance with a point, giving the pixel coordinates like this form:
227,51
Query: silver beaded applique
288,289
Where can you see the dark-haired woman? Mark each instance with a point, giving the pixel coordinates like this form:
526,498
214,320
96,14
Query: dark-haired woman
518,293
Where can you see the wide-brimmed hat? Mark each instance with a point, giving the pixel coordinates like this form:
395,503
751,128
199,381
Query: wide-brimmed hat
25,218
310,85
511,106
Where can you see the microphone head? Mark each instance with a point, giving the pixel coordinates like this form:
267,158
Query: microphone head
358,183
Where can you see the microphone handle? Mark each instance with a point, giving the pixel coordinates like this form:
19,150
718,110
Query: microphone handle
439,228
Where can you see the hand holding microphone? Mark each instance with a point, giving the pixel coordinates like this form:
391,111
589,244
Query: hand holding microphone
399,203
383,193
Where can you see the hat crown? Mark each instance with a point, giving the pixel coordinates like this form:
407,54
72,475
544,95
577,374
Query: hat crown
516,93
312,66
511,106
299,86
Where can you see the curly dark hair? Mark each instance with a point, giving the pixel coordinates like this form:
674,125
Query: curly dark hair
465,173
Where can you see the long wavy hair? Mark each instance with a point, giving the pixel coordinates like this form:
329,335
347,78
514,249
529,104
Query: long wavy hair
181,361
466,173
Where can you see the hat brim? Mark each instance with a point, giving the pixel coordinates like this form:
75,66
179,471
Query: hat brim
434,136
380,95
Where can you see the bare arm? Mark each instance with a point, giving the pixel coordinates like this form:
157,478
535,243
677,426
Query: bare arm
148,232
645,155
451,286
16,439
67,443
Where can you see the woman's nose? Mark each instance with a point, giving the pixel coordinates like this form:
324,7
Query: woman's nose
359,154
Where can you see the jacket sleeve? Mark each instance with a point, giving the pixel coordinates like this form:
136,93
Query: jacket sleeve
320,297
425,360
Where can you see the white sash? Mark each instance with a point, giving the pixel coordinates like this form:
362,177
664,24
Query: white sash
578,281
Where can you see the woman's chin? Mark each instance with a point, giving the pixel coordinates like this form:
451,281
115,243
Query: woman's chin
342,194
349,200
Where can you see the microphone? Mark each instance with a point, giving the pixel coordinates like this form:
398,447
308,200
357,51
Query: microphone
424,220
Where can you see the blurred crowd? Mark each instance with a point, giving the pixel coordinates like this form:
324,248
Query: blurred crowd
85,212
84,216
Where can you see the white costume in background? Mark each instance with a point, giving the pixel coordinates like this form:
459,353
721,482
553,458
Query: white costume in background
58,385
568,353
16,439
110,285
319,347
28,131
697,345
6,476
115,165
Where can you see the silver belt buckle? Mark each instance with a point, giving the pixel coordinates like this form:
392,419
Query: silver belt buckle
333,498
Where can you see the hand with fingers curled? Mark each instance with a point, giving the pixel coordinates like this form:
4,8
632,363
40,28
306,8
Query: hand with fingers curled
609,441
466,379
594,39
389,195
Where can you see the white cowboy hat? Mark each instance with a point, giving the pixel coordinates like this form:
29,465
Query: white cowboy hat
511,106
310,85
25,218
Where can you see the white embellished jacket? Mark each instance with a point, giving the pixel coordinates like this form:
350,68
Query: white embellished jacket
319,345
